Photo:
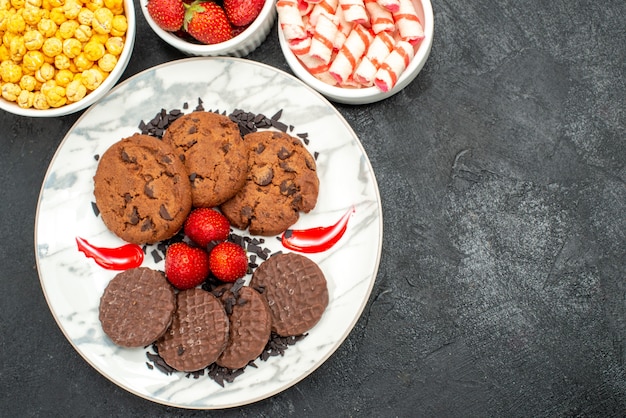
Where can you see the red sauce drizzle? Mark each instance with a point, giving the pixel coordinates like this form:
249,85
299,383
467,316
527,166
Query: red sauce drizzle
317,239
121,258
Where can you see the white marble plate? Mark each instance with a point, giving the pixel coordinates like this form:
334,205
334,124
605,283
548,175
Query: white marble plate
73,284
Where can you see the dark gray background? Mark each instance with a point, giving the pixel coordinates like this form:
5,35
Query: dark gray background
501,289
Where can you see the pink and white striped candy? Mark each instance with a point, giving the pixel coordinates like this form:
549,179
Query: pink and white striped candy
409,26
381,46
343,29
393,66
354,11
328,7
380,19
350,53
391,5
323,38
290,19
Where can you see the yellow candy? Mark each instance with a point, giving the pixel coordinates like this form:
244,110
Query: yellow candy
10,72
67,29
33,60
107,62
16,23
75,91
32,15
62,62
39,101
92,78
85,16
72,47
82,62
10,91
72,8
52,47
57,15
93,50
102,20
63,77
28,83
83,33
47,27
45,73
115,45
33,40
119,26
25,99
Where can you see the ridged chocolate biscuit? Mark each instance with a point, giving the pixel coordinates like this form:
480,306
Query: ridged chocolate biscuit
141,190
211,147
282,181
136,307
198,333
250,325
295,289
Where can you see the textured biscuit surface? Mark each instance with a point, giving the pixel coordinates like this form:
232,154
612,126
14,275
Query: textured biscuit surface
250,325
211,147
282,181
198,333
296,292
141,190
137,307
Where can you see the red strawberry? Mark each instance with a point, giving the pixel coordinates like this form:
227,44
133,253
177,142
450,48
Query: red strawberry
185,266
204,225
228,261
207,22
242,12
167,14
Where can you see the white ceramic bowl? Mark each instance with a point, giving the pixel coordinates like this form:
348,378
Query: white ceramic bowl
366,95
239,46
98,93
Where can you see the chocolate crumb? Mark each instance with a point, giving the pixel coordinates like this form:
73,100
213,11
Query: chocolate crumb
95,209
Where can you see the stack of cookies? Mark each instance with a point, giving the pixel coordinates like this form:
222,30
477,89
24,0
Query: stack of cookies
145,187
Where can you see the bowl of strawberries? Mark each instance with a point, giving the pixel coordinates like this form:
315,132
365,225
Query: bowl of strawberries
211,27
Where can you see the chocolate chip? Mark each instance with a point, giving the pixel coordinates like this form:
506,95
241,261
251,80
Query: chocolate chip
126,158
288,188
134,216
283,153
286,167
147,189
259,149
263,175
147,225
127,197
164,213
192,130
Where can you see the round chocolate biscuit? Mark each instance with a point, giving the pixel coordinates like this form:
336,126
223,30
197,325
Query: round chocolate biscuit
282,181
296,292
141,190
211,147
250,325
198,333
136,307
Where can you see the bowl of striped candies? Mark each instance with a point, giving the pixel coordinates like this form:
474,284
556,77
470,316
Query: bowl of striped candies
356,51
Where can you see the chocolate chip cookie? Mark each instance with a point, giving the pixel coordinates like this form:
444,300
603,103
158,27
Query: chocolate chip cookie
141,190
211,147
281,182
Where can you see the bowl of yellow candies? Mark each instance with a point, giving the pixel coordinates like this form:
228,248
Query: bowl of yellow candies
58,57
